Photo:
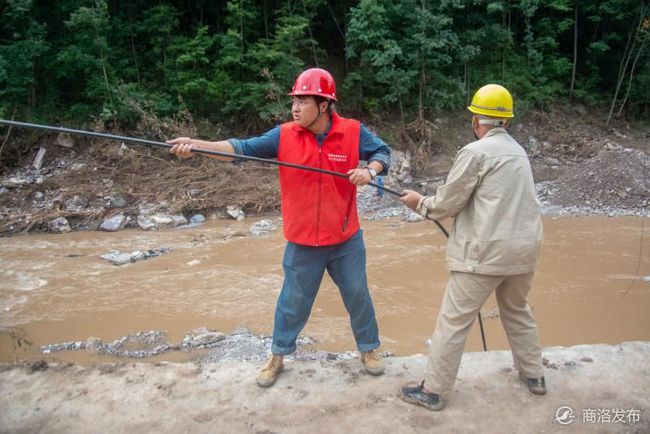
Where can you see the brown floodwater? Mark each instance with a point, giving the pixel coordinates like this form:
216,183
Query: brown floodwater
590,287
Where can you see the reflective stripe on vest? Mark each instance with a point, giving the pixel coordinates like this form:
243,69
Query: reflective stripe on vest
319,209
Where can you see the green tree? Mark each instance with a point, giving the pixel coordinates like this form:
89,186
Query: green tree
83,65
194,71
377,77
155,31
23,44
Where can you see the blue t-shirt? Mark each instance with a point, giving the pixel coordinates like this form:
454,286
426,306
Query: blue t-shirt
371,147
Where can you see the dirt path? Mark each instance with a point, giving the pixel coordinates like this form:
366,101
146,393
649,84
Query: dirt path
607,387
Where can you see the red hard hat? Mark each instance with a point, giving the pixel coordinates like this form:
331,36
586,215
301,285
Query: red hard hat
315,81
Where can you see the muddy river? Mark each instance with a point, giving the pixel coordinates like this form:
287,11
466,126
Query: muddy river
592,286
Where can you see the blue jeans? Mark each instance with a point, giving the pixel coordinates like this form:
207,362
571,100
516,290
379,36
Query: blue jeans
304,267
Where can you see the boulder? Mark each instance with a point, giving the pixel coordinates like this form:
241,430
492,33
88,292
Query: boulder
76,204
235,213
197,218
262,227
114,223
59,225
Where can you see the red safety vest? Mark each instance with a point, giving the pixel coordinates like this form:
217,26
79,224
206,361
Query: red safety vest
319,209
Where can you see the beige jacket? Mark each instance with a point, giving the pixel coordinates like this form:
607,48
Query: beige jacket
490,191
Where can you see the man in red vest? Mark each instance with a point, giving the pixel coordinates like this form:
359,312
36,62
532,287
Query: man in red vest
319,212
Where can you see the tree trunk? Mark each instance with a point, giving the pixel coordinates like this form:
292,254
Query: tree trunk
103,60
629,83
135,56
625,60
311,37
401,112
503,46
421,95
575,49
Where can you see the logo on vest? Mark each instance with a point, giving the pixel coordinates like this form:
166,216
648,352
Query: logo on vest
339,158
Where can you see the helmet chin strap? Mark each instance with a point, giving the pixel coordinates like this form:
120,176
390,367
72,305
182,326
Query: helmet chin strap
318,116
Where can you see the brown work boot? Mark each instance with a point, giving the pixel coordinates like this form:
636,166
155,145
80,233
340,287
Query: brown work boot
271,371
372,362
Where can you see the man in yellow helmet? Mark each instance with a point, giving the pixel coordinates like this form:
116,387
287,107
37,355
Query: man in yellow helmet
493,247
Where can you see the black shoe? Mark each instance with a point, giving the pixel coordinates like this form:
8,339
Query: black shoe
535,385
416,395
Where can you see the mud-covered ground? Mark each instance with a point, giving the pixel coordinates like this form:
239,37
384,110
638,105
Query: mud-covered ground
591,388
581,168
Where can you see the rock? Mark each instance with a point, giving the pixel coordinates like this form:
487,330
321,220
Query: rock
93,344
157,252
197,218
117,202
617,133
16,181
401,167
552,161
117,258
76,204
114,223
122,150
77,166
38,160
262,227
413,217
587,359
161,220
201,338
59,225
138,255
189,225
580,109
65,140
146,208
235,212
178,219
40,365
208,338
145,223
612,147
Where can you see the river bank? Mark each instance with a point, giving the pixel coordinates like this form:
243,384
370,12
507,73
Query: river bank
68,183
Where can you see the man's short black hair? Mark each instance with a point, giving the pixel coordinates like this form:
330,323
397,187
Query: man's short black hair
320,99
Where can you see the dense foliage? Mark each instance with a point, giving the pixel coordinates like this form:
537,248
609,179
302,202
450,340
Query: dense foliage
232,62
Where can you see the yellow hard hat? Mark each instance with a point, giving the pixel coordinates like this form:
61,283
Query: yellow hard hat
492,100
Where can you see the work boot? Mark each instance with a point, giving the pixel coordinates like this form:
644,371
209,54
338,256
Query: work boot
416,395
271,371
372,363
535,385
